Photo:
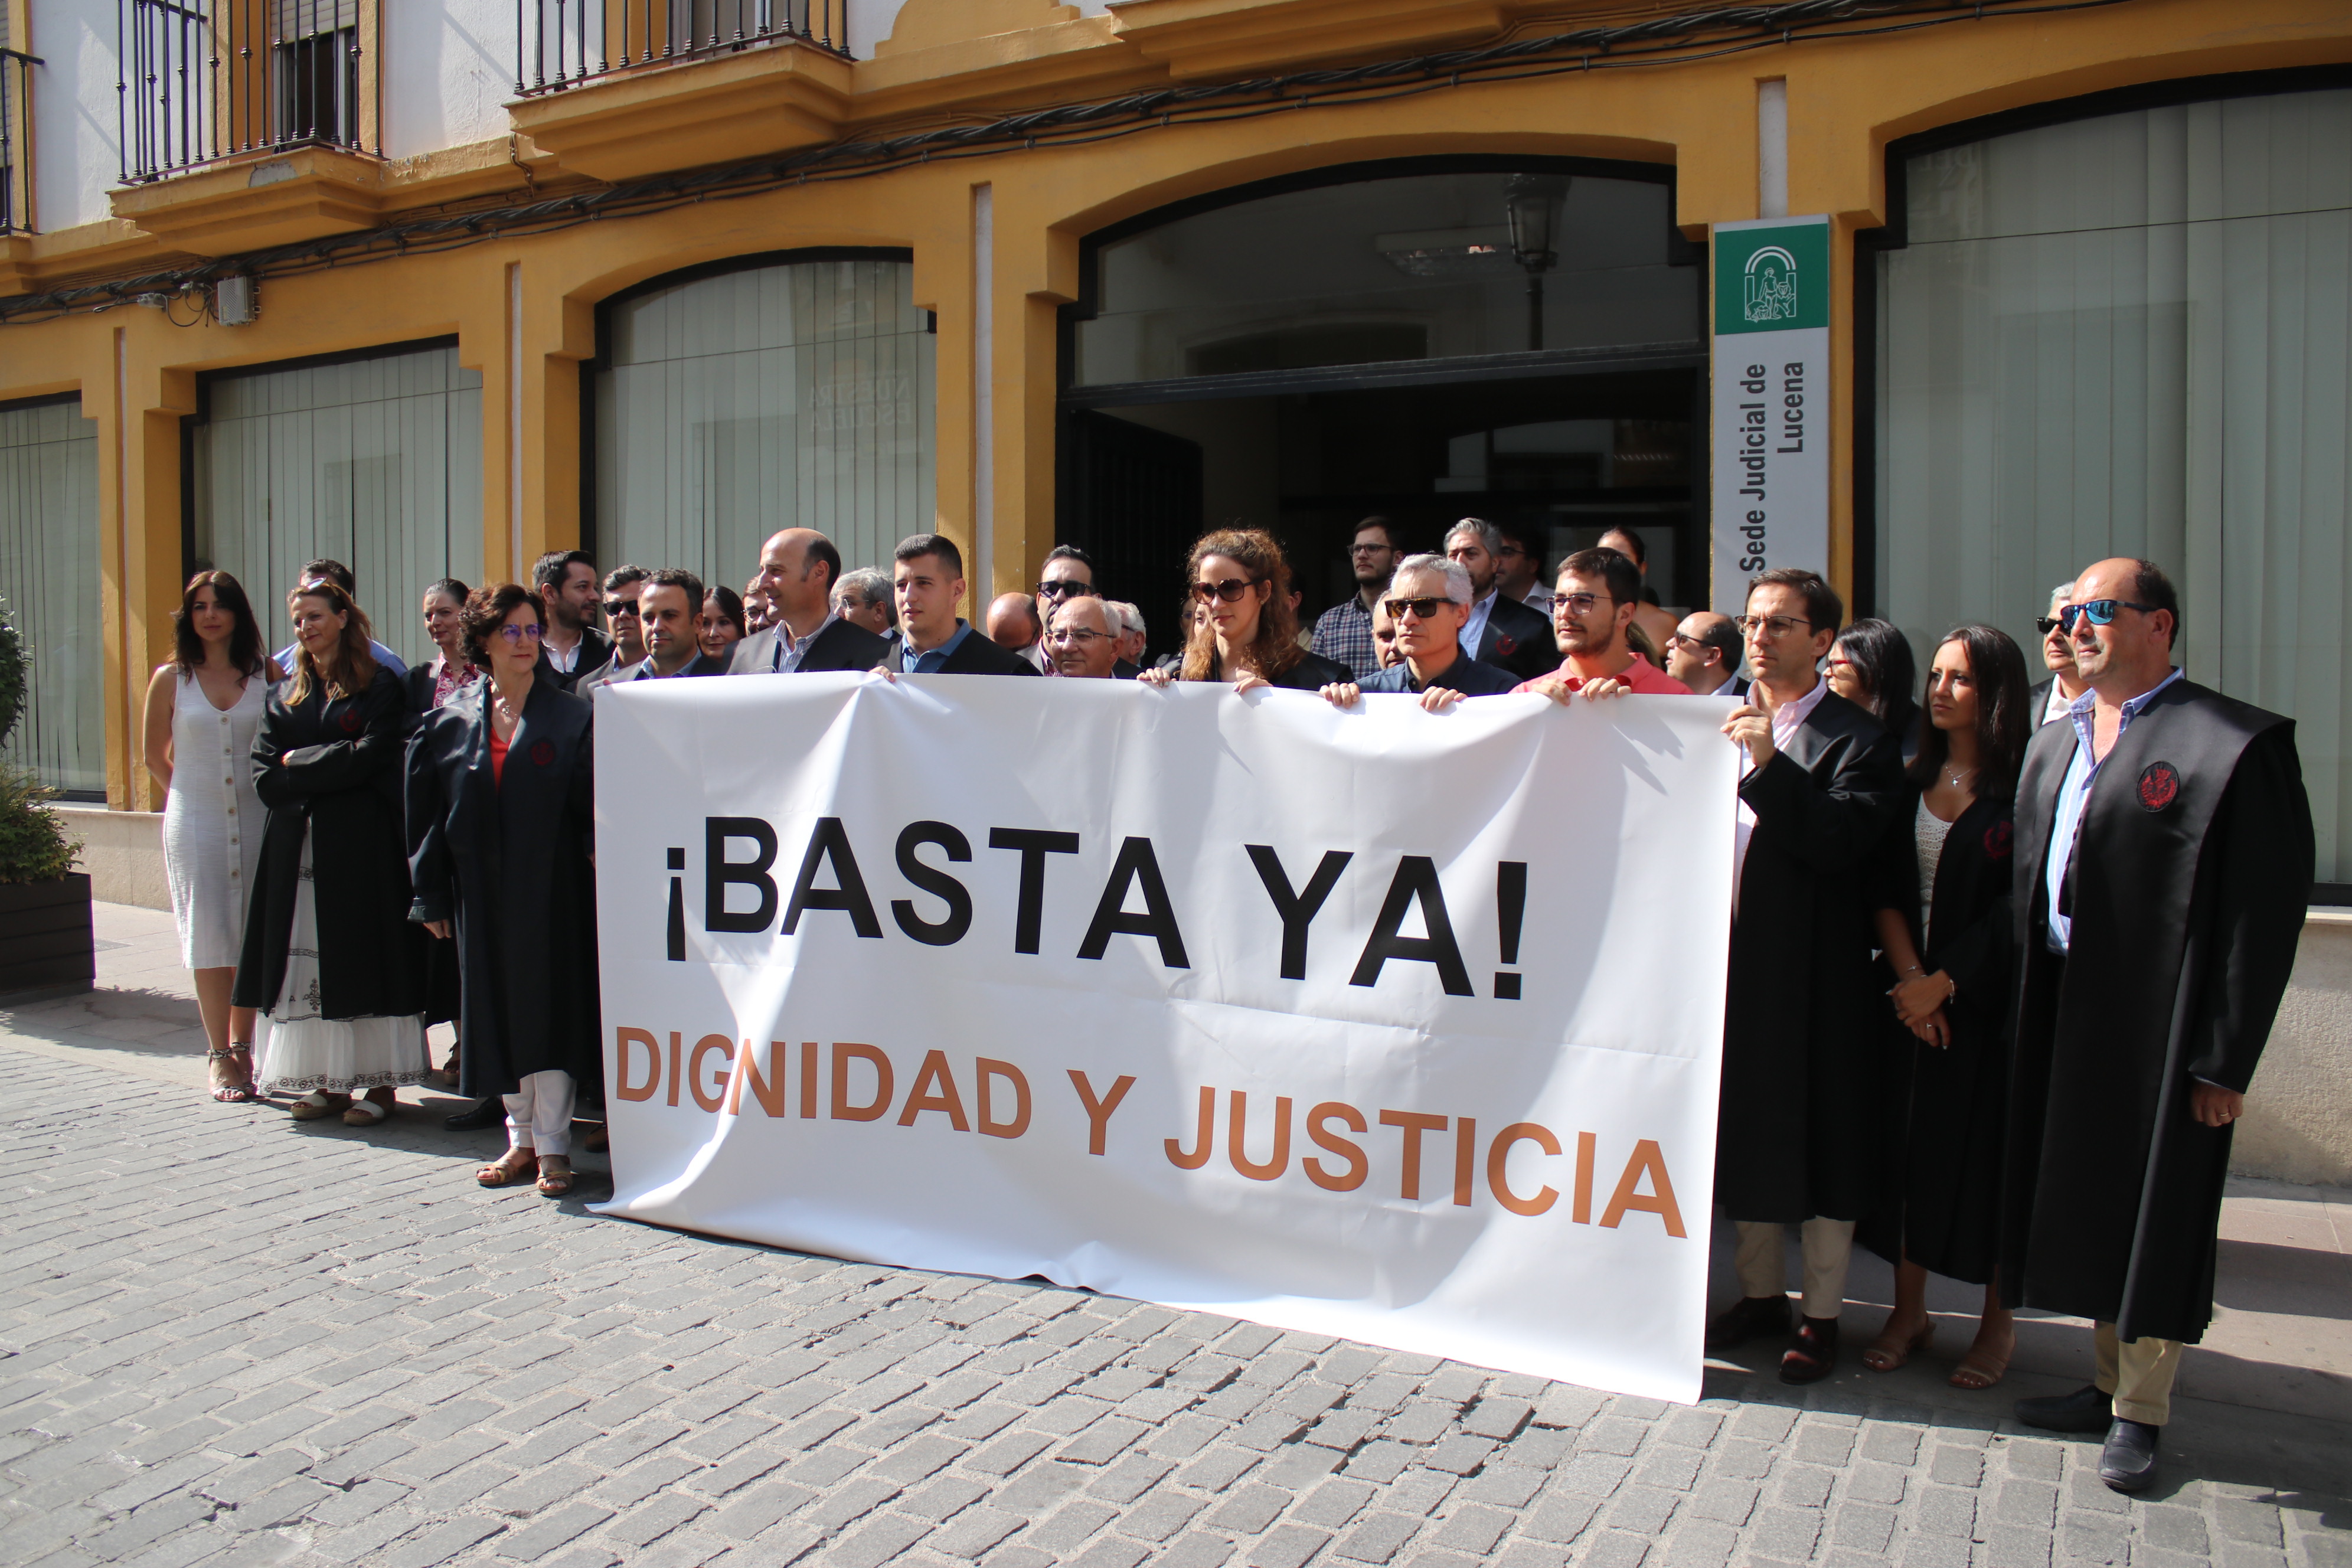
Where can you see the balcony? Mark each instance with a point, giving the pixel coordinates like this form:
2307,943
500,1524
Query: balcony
618,89
220,80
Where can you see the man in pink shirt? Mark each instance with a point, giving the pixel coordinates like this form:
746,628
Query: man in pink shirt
1598,593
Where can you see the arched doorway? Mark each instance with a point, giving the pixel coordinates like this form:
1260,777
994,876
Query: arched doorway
1429,339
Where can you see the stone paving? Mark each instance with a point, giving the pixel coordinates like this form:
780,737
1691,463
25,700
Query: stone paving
226,1336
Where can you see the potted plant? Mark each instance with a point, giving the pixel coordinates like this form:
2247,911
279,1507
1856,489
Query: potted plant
46,946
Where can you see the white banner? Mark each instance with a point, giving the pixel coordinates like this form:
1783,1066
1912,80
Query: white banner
1377,1024
1771,366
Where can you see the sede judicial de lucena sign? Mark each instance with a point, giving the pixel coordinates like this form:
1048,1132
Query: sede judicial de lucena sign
1772,489
1348,1021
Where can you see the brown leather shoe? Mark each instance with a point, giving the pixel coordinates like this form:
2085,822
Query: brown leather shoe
1754,1317
1812,1350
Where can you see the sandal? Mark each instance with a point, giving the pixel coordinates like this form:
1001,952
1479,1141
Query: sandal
1891,1349
316,1103
506,1171
1981,1369
232,1093
554,1176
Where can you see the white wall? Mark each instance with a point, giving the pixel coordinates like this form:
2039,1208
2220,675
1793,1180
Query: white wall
77,144
870,21
448,71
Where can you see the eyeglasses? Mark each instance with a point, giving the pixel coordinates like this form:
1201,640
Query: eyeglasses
1229,590
2098,612
1056,587
1079,636
1687,644
530,633
620,606
1775,626
1579,604
1422,607
1371,550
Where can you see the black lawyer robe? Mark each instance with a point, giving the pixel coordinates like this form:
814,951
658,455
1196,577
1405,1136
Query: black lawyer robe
1943,1104
441,981
1798,1135
973,656
334,768
2191,877
509,863
1516,639
595,651
838,644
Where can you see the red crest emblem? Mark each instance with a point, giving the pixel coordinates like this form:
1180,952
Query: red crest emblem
350,720
1505,644
2159,786
1996,840
543,752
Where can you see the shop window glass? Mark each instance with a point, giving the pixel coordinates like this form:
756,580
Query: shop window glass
374,462
797,395
48,578
1373,271
2132,335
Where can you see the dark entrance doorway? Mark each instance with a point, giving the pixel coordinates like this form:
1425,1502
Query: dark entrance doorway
1299,356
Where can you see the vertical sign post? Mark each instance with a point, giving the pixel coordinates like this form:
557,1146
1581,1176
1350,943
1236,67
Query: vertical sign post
1771,500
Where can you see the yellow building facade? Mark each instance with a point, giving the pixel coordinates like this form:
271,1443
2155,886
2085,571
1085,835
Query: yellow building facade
1806,112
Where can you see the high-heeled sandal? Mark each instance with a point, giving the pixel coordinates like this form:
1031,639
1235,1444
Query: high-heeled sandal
233,1093
1891,1351
506,1170
1979,1370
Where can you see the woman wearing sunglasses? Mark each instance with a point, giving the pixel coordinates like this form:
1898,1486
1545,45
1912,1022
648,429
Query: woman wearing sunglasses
1245,631
501,835
1943,921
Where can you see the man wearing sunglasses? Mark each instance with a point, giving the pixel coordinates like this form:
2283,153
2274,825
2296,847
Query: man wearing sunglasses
628,635
1798,1137
2162,866
1427,600
1598,593
2049,702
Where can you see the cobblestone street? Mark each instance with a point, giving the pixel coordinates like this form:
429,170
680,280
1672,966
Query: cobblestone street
226,1336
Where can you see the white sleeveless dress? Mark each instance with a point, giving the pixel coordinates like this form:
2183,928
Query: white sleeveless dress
212,820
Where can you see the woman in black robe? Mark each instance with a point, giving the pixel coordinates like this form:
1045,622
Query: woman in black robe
1943,897
501,834
429,684
328,954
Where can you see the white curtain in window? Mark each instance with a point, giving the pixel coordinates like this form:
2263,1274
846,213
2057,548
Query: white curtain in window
798,396
2132,335
373,462
49,575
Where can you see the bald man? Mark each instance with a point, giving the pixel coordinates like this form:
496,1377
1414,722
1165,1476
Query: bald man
1703,655
797,570
1012,626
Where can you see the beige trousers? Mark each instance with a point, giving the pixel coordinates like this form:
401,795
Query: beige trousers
540,1117
2137,1372
1827,1246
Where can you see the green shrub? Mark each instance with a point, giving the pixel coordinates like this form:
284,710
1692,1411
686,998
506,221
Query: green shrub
32,842
12,674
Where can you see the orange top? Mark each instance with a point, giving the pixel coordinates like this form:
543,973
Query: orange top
497,757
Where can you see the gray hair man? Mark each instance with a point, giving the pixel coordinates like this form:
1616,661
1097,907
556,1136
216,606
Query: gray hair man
2049,702
1427,599
863,598
1130,638
1498,630
1084,642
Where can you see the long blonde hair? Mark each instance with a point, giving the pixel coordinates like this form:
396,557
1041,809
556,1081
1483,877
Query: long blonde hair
1276,647
351,664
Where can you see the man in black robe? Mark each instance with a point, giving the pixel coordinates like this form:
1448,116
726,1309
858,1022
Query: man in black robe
1796,1134
933,640
2163,865
1500,631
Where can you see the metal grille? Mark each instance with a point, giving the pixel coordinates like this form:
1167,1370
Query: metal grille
206,80
563,43
16,143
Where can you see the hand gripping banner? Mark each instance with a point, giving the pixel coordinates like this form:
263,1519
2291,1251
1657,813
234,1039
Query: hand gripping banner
1376,1023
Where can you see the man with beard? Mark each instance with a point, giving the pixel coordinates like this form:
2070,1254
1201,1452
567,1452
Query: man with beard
2050,700
1500,630
628,630
798,567
2164,856
566,581
1427,602
1593,604
1344,632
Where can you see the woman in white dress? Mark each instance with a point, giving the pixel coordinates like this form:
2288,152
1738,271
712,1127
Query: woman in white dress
329,952
204,710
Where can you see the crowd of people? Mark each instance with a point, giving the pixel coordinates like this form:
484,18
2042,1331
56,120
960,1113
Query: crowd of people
2002,958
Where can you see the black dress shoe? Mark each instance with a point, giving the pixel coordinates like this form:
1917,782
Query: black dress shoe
2084,1410
490,1112
2127,1463
1812,1354
1754,1317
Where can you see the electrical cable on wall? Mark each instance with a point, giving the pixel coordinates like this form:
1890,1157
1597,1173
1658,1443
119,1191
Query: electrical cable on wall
1679,39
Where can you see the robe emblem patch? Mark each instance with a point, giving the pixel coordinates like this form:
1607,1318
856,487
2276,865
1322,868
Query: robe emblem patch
543,752
2159,786
350,720
1996,841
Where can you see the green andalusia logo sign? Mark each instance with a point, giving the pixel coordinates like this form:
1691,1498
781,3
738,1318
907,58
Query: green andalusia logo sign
1771,294
1772,278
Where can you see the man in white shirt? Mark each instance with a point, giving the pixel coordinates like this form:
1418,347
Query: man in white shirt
566,581
1501,631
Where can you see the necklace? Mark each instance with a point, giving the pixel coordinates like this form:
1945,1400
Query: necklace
1956,776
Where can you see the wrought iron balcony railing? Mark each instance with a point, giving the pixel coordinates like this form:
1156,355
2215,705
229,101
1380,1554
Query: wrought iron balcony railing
207,79
563,43
16,143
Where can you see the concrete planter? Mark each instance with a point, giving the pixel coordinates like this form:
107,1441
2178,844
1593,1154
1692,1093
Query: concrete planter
46,946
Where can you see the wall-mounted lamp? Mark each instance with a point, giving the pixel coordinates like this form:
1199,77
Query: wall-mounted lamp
1533,205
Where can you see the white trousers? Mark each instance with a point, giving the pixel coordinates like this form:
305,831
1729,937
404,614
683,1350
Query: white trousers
1827,1246
540,1117
2138,1373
